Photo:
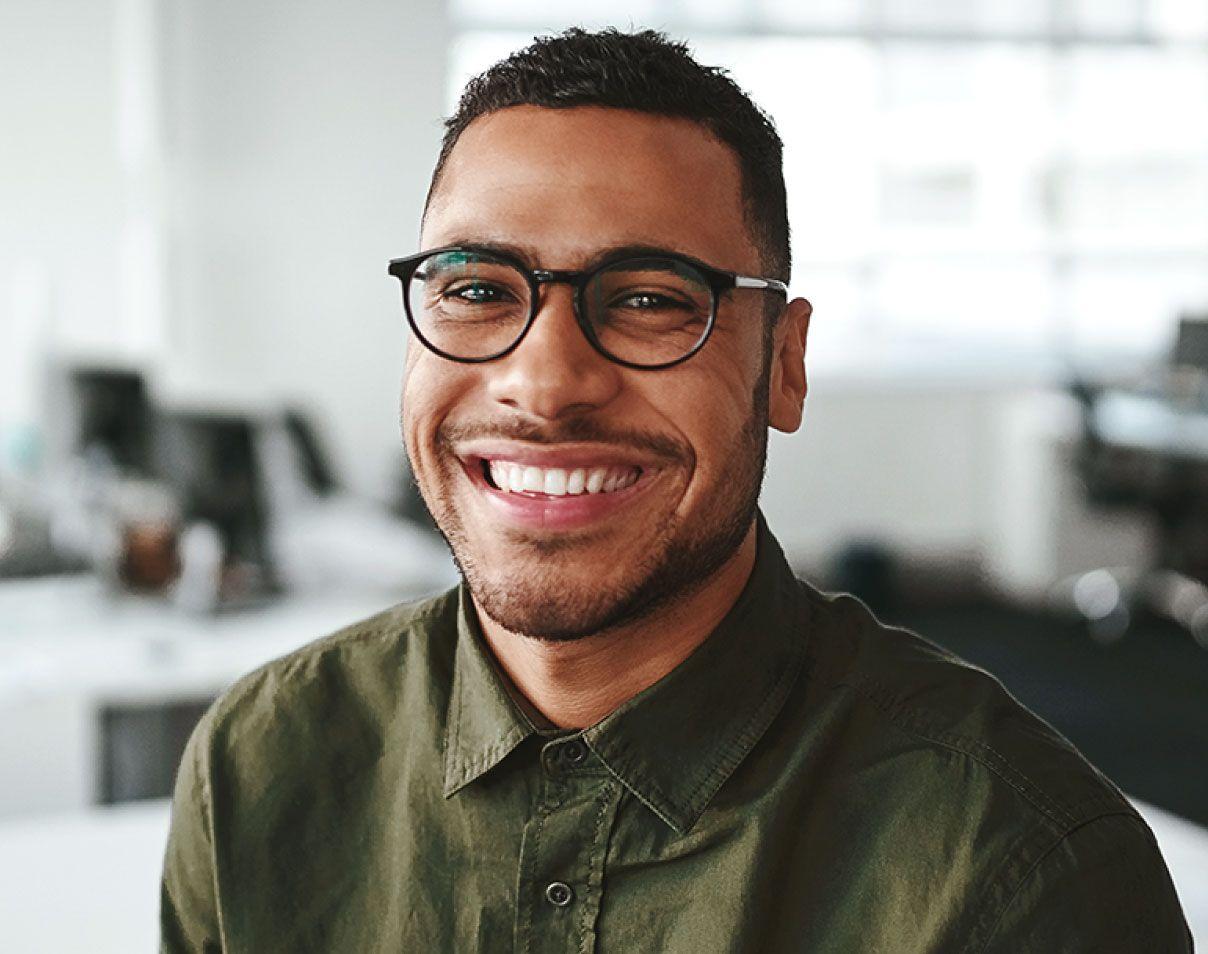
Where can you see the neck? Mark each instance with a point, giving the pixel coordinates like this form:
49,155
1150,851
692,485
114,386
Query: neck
576,683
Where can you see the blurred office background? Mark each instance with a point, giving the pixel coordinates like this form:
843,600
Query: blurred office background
1000,214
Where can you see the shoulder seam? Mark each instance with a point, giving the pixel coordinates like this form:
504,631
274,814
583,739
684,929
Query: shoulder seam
1125,811
969,747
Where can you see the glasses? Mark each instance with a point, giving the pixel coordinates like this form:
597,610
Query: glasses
649,311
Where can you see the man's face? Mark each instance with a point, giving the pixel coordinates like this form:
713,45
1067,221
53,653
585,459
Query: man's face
681,448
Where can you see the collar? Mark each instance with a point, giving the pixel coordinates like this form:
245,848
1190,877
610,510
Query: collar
484,724
675,743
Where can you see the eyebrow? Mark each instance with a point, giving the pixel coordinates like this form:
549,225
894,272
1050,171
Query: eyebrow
529,255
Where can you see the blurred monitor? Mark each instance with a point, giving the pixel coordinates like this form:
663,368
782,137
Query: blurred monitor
109,412
210,460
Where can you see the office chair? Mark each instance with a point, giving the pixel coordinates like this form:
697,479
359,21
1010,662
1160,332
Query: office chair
1171,487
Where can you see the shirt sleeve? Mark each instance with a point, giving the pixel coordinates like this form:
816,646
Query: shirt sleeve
1104,888
189,921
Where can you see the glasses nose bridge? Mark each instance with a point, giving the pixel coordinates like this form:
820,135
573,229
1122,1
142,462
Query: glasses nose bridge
552,276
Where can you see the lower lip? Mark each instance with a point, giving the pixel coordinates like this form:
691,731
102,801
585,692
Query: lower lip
538,512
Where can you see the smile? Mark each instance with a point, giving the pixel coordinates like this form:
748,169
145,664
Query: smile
564,488
519,478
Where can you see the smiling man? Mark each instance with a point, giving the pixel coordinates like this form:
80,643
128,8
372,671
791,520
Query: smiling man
630,728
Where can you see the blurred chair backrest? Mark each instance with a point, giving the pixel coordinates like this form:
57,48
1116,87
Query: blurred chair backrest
1085,393
1112,476
316,463
1191,344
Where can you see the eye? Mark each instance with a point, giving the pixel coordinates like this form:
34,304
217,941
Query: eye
647,301
478,293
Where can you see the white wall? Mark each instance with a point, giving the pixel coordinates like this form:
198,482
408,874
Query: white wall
212,189
964,475
300,136
60,180
61,199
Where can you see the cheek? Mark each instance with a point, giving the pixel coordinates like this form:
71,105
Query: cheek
411,409
709,409
428,394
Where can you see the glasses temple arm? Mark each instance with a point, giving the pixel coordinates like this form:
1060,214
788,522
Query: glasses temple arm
771,284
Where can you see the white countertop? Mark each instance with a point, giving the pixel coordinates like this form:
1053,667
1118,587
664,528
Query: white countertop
67,634
69,650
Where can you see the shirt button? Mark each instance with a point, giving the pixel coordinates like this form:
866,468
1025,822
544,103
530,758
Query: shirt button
574,752
559,893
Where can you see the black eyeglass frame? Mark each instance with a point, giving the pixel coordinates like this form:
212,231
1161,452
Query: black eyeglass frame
719,281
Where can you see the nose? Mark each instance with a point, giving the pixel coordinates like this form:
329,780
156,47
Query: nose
554,373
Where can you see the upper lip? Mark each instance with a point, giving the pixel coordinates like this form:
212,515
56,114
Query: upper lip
566,456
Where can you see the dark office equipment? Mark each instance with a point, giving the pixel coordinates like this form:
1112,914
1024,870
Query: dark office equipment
1118,474
867,569
110,411
1149,451
316,465
100,421
1191,344
210,460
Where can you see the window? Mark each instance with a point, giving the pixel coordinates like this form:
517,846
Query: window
967,179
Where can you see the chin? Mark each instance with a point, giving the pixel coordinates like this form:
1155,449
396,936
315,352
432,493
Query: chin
539,599
536,597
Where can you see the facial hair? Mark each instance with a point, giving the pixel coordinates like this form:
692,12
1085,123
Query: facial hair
680,562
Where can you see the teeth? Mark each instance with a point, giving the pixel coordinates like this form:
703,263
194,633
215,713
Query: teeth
558,482
555,482
533,479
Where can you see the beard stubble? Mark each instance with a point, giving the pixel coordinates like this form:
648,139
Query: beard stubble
681,561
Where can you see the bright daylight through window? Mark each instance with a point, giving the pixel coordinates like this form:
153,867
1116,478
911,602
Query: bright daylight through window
973,185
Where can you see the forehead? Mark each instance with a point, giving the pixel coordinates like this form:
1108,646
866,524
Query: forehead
565,182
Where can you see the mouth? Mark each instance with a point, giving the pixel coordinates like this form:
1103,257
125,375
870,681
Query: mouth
529,480
556,489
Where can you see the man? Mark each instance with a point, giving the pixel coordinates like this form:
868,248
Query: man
631,728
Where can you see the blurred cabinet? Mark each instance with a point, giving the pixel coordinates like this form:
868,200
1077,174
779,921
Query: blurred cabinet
140,747
98,695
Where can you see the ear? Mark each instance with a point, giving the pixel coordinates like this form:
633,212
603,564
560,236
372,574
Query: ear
786,383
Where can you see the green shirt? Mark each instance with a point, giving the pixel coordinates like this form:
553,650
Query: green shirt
809,779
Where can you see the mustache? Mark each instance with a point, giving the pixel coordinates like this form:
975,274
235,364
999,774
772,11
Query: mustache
582,429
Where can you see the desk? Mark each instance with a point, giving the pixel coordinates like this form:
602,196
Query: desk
1152,423
68,650
1152,453
88,882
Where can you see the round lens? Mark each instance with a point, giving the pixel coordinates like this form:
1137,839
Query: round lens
648,311
468,304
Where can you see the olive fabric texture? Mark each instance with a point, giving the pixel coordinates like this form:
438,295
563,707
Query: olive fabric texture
809,779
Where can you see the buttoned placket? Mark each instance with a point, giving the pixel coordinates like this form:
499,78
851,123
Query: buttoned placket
562,854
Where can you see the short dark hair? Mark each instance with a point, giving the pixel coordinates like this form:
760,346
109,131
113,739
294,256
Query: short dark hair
649,73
